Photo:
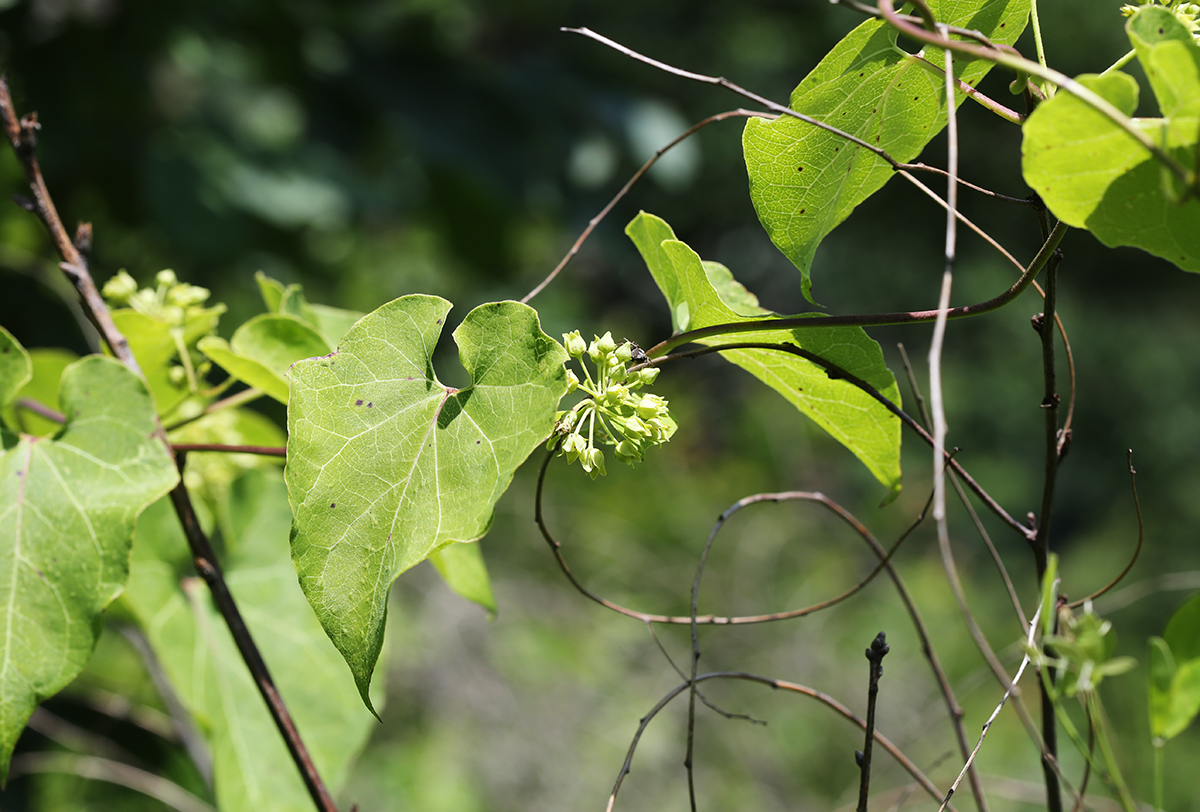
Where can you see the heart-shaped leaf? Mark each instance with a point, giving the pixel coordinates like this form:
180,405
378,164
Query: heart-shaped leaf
252,770
1093,175
804,181
386,464
851,416
67,511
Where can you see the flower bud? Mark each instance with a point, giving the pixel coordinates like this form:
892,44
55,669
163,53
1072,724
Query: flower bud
574,344
120,288
572,381
165,278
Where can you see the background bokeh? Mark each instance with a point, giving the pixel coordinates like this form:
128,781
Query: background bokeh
457,147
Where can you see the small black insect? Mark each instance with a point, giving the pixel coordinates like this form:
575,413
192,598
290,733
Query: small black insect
636,354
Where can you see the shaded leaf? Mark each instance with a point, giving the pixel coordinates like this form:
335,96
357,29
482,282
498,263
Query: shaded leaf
251,766
262,350
386,464
67,511
157,350
48,364
851,416
463,569
16,369
1183,631
804,181
1093,175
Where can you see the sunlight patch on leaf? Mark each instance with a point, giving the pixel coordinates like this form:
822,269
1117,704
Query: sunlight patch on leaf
387,465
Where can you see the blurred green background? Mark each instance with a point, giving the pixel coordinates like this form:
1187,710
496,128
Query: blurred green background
457,147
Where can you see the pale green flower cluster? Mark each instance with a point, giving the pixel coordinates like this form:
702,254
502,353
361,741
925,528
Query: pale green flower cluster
1084,649
168,301
614,413
1187,13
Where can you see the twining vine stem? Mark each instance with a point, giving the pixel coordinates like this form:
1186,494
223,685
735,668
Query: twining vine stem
22,134
782,685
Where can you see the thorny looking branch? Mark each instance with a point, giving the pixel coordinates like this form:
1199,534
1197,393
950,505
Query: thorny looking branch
22,134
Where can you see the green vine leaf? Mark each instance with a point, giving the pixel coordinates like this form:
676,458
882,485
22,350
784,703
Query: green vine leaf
331,322
852,417
804,181
67,511
47,366
262,350
252,771
1093,175
157,350
386,465
462,568
1175,673
16,369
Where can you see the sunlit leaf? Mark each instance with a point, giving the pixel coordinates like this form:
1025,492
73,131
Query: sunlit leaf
851,416
1093,175
67,511
331,322
252,770
386,464
263,348
804,181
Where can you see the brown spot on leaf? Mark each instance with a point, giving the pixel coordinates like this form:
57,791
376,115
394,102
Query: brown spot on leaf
358,403
332,504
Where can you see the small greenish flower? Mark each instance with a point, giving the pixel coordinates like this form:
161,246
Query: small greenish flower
1083,650
613,412
1186,12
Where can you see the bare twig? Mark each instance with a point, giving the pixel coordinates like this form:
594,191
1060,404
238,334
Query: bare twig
962,497
875,654
871,319
595,221
988,724
835,371
236,399
718,620
114,772
22,134
31,405
905,762
1137,506
263,450
1041,542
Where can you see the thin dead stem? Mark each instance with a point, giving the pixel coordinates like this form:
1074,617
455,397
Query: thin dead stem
595,221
